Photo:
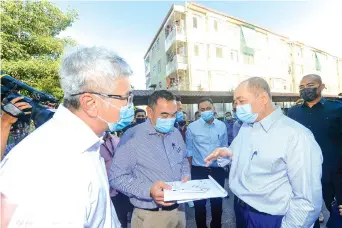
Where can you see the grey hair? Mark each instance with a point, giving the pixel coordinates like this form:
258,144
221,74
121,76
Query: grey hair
90,69
257,85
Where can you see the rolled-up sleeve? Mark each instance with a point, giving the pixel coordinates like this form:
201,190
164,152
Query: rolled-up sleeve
304,161
121,173
189,142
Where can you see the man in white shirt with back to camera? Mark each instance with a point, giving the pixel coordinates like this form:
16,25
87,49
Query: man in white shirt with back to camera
276,164
56,177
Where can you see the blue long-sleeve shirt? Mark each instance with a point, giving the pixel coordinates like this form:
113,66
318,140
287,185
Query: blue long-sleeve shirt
202,138
143,157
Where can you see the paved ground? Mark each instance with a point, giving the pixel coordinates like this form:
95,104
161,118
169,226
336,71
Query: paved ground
228,218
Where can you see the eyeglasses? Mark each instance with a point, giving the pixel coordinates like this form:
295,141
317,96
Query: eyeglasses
128,98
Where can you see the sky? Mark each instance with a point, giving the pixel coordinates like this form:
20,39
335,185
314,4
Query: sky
128,27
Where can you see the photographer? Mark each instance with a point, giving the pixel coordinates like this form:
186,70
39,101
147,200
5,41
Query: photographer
7,121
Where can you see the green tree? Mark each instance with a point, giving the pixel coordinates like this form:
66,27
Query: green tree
30,49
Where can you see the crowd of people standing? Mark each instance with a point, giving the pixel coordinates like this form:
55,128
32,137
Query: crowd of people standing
282,167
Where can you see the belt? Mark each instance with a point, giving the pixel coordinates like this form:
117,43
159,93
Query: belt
169,208
245,205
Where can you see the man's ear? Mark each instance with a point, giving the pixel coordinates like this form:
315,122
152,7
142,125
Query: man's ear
89,104
149,112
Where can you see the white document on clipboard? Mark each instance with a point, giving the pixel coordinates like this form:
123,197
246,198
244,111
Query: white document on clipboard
194,190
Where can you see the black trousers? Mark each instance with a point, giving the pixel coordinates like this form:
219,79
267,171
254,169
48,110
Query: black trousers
199,172
328,192
122,206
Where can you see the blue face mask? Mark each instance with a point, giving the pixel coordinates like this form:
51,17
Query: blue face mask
228,118
165,125
179,116
126,117
245,114
207,115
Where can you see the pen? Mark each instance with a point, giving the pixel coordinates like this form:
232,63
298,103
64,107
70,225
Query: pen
254,153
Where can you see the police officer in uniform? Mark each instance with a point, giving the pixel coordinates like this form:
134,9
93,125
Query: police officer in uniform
324,118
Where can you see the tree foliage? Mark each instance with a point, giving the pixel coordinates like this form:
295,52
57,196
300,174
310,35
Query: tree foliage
30,48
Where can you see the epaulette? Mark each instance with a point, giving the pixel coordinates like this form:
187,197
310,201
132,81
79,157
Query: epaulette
339,102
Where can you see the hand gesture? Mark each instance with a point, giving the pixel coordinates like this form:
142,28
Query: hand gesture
217,153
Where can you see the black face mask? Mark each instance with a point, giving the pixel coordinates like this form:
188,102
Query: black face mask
182,123
140,120
308,94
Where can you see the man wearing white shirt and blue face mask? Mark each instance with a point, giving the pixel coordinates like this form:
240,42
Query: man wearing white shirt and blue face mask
276,164
56,177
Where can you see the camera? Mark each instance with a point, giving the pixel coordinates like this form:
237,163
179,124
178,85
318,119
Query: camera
43,105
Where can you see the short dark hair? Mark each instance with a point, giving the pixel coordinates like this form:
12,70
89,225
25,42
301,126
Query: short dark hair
184,112
139,110
178,98
228,112
196,113
203,99
167,95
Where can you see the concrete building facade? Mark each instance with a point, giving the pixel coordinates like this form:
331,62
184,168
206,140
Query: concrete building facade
200,49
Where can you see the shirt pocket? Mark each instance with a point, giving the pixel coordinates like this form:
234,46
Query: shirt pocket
202,139
260,164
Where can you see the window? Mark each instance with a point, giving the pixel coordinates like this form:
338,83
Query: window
154,71
194,22
219,52
157,44
196,50
248,59
215,26
234,56
159,67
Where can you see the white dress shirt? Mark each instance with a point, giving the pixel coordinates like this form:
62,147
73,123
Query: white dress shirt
277,168
57,178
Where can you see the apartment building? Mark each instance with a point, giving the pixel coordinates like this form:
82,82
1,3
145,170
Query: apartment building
197,48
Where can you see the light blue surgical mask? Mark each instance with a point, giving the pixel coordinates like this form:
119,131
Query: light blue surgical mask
179,116
245,113
126,117
207,115
165,125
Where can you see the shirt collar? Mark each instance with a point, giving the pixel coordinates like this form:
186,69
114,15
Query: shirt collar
77,134
321,101
269,120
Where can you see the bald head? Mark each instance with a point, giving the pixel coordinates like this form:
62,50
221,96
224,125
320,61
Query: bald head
253,93
313,77
257,86
311,81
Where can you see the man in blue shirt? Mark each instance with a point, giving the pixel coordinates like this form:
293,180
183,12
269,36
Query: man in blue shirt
276,164
229,121
147,155
324,118
202,137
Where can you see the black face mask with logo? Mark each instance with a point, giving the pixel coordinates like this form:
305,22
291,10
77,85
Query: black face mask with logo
309,94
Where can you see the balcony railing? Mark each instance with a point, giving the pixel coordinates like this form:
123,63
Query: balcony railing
175,34
179,62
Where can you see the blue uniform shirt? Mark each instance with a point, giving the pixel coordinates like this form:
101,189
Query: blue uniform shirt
202,138
324,119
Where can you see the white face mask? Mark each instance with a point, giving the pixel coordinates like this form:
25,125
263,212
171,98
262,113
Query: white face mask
126,117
